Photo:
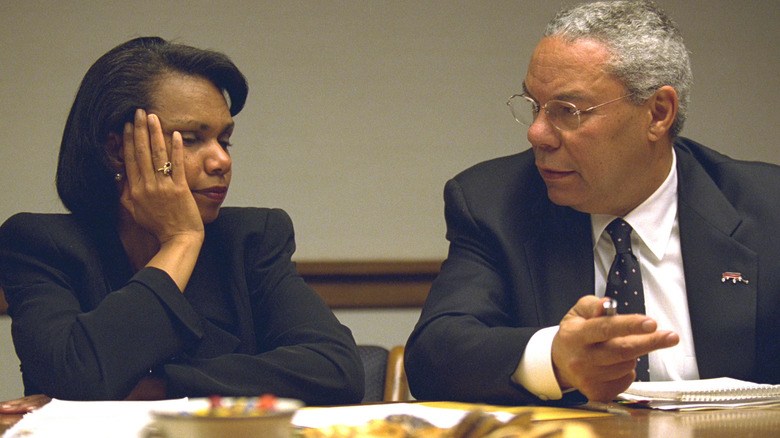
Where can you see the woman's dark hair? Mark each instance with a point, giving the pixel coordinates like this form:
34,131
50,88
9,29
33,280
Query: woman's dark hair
117,84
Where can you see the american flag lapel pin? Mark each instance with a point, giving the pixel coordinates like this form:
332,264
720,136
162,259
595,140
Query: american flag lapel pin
733,277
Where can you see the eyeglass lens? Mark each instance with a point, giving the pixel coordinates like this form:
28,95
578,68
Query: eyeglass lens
562,115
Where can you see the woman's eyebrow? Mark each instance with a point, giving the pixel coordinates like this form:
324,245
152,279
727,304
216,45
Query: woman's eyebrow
199,126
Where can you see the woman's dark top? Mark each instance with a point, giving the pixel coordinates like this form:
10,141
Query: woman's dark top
85,327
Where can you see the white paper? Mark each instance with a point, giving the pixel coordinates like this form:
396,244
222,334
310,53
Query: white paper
717,393
128,419
675,389
361,414
116,419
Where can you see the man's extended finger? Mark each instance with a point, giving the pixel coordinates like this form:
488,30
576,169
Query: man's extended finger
604,328
628,348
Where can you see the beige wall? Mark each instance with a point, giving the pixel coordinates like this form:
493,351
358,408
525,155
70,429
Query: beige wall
359,111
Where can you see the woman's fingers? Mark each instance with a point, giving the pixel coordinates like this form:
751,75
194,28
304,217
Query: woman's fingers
128,152
157,147
177,159
142,150
141,146
145,150
159,200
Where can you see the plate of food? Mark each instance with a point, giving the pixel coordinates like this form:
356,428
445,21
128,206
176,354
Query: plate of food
472,424
234,417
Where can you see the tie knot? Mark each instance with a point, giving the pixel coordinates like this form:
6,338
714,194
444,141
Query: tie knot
620,232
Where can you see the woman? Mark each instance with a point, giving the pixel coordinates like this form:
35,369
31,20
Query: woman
149,289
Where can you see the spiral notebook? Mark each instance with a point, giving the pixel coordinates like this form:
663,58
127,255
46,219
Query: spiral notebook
723,392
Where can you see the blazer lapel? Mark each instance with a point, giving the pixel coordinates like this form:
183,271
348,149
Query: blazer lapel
564,250
723,312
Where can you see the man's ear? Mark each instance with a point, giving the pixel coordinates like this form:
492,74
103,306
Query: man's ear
115,149
663,110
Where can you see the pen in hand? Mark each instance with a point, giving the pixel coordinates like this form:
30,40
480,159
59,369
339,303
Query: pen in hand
610,307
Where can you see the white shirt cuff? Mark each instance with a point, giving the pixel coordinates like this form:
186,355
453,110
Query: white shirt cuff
535,371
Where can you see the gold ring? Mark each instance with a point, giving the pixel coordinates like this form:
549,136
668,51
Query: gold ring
166,169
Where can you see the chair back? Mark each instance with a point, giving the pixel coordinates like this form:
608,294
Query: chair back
385,375
396,385
375,366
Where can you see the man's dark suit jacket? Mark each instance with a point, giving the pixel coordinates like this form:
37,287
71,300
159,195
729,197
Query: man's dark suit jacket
86,327
518,263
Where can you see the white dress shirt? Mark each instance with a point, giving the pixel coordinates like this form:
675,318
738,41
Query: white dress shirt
656,244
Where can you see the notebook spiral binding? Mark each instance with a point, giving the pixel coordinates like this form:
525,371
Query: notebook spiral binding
760,392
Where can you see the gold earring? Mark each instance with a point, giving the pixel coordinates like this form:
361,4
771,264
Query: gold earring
118,177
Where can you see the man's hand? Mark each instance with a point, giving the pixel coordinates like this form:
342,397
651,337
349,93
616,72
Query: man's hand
597,355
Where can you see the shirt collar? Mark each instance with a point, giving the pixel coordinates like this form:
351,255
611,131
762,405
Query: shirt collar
653,219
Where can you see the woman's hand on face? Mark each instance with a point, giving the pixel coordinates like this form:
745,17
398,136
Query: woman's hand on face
160,203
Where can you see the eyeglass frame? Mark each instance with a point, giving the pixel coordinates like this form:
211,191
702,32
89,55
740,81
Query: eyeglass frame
537,109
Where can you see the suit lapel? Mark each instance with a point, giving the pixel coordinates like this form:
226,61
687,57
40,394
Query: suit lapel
564,249
723,314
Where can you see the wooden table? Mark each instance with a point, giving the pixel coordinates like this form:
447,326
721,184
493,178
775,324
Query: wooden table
645,423
641,423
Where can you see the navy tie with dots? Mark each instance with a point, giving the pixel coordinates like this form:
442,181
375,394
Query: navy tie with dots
624,282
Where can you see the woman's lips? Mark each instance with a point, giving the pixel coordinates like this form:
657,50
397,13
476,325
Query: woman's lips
213,193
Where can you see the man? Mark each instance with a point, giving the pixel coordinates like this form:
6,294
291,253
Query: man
605,97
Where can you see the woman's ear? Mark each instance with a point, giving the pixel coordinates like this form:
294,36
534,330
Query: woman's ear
115,149
663,110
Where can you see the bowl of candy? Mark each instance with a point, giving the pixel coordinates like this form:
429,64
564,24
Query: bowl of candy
234,417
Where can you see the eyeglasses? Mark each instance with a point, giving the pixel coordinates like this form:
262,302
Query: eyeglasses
565,116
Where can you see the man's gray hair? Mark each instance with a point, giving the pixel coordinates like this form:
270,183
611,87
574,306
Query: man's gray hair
646,47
